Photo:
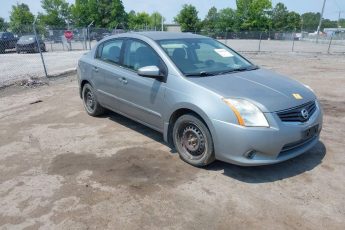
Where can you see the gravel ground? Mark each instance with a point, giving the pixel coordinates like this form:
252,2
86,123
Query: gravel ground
62,169
15,67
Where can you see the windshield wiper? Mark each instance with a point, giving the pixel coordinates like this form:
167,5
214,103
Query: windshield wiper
200,74
240,69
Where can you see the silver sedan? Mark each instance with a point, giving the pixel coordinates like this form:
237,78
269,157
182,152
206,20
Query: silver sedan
206,99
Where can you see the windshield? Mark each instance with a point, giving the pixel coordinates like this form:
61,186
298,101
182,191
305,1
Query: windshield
203,56
27,38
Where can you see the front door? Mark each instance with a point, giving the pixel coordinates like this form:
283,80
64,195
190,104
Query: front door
142,98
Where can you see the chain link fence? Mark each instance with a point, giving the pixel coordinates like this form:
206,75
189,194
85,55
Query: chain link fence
282,41
61,48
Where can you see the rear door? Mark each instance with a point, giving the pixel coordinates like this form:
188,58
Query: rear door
106,72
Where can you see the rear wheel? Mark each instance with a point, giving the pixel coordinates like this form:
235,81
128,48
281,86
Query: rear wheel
91,105
193,140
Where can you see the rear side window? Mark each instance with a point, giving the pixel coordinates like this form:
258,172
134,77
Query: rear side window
110,51
9,35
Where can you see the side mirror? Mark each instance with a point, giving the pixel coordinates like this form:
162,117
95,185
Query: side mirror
150,71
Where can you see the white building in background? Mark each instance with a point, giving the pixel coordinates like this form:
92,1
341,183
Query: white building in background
332,31
173,27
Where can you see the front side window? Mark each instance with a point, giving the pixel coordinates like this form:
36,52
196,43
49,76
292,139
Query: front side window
110,51
139,54
198,56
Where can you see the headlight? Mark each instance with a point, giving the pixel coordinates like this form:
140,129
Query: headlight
247,113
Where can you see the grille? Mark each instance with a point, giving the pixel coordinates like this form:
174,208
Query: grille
295,114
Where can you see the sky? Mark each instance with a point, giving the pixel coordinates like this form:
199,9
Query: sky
169,8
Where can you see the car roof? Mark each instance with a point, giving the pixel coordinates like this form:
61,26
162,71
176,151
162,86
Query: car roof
159,35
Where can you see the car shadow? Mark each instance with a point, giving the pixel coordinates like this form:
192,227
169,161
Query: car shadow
255,174
271,173
135,126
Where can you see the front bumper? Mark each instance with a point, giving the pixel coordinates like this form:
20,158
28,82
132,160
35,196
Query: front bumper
26,48
251,146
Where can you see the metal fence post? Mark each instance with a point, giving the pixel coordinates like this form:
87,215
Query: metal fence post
88,33
226,37
330,43
260,41
39,47
293,41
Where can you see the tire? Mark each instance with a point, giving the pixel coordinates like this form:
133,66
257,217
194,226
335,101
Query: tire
91,105
193,141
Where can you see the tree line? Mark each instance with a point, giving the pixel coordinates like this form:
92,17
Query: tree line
249,15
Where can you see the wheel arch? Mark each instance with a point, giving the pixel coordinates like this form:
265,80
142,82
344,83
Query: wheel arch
178,112
82,83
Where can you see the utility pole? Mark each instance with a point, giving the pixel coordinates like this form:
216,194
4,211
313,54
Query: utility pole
320,22
339,16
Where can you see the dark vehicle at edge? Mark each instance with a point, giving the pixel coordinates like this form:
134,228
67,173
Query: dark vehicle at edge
7,41
28,43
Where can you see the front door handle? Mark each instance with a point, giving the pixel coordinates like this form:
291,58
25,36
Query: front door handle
95,69
123,80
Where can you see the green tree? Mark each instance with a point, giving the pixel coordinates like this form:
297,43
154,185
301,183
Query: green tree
279,17
118,14
156,20
293,21
80,13
21,19
227,20
211,20
310,21
326,23
341,23
107,13
283,20
57,13
188,18
140,20
3,24
131,17
252,14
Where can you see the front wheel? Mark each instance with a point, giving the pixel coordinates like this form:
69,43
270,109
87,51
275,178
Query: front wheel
193,141
91,105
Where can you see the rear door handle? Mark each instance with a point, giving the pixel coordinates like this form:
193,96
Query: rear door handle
123,80
95,69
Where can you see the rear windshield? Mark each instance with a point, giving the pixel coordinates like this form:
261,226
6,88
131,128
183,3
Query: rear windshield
27,38
6,35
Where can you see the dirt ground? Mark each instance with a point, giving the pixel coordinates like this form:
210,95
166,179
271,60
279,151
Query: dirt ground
62,169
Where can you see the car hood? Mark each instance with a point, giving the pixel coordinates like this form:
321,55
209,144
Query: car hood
270,91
